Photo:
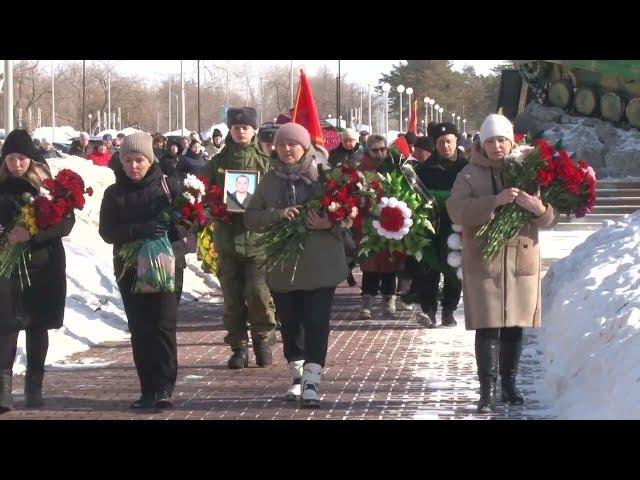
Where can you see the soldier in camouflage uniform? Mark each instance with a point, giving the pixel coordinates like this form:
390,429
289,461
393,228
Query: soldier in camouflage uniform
245,292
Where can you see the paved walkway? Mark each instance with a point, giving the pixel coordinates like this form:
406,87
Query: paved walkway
377,369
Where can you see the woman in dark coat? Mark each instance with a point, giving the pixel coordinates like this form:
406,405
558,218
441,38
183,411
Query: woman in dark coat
131,210
40,306
193,161
169,161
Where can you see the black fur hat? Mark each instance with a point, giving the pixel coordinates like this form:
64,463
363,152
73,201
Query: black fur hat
242,116
445,128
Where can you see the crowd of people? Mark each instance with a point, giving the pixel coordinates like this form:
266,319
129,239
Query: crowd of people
462,172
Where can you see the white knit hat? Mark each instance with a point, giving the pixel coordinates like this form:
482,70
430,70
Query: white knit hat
350,133
496,126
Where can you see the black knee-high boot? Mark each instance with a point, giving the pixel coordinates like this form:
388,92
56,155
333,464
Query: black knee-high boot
510,351
487,361
37,347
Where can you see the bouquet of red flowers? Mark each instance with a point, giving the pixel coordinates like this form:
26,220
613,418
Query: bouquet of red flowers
340,201
58,197
570,188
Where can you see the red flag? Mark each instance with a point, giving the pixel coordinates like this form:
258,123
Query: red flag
402,146
305,112
413,119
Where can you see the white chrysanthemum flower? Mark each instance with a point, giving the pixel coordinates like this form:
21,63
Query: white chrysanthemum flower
189,197
384,201
454,259
333,207
392,203
192,182
456,228
459,273
454,242
354,212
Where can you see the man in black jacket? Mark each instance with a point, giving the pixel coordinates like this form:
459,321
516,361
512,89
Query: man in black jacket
438,174
81,149
348,152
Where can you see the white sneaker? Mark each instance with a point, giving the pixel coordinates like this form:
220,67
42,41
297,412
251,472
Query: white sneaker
295,390
310,385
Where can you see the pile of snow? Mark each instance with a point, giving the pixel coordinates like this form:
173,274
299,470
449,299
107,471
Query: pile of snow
63,134
590,338
183,132
114,133
94,312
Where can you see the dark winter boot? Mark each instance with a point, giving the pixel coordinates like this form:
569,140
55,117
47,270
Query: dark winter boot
509,361
146,401
33,388
427,319
263,354
163,400
487,361
6,378
447,319
239,359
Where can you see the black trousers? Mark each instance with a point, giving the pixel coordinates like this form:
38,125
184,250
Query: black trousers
304,316
37,347
152,323
426,286
179,276
373,282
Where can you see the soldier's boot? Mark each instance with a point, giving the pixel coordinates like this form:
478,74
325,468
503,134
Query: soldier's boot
6,399
311,385
447,319
367,302
262,351
427,319
487,361
509,361
389,305
295,390
33,388
239,359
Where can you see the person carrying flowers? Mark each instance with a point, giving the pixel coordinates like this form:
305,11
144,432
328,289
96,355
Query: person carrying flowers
501,294
379,272
132,210
438,174
35,305
302,284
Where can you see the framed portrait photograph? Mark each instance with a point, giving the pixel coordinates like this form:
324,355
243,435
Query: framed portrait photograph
239,187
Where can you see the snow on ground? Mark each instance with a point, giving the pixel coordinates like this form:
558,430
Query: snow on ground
94,312
589,341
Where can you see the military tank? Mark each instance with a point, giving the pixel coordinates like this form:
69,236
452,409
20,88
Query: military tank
605,89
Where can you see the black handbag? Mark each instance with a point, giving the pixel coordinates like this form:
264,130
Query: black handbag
13,317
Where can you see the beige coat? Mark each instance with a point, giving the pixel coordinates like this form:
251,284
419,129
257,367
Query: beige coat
506,291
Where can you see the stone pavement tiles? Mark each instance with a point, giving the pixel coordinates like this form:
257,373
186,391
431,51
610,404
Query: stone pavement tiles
376,369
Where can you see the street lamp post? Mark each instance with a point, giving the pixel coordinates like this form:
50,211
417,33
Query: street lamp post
109,93
90,129
409,92
400,90
464,125
437,109
53,104
441,110
426,111
458,122
370,126
431,102
453,118
385,88
182,109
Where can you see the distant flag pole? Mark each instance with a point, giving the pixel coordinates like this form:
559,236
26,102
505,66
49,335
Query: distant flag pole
413,119
305,112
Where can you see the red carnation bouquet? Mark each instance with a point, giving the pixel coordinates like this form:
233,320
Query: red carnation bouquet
569,187
340,201
58,197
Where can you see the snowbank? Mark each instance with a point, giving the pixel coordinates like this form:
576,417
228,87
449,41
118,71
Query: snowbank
590,339
94,312
63,134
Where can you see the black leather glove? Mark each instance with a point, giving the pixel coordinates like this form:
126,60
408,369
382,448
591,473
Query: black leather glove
150,229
